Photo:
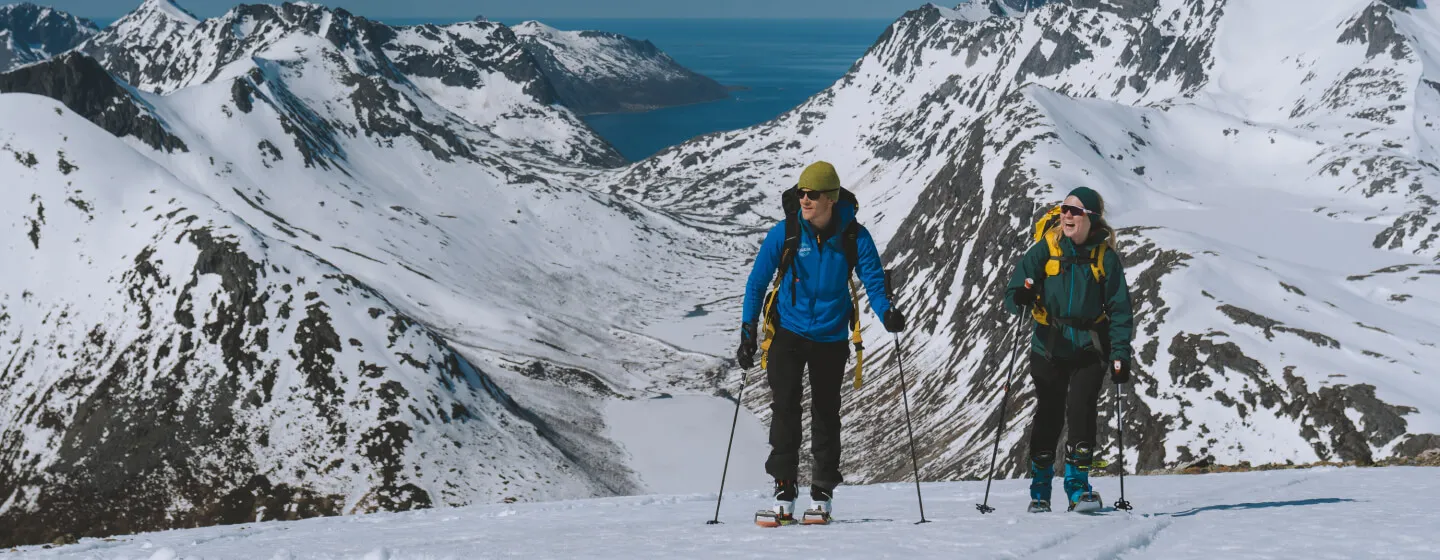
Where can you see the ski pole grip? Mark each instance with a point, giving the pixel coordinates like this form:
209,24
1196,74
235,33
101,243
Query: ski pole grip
889,288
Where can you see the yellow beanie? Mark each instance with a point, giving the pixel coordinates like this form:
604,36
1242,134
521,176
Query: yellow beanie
821,176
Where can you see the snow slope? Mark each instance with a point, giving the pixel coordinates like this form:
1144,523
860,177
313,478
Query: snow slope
674,443
151,325
1315,513
291,255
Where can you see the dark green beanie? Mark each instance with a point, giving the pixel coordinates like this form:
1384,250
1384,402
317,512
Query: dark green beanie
1089,198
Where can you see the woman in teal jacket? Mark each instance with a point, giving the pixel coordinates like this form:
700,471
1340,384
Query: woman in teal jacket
1083,327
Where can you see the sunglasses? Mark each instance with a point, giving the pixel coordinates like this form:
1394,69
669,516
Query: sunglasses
1074,210
813,195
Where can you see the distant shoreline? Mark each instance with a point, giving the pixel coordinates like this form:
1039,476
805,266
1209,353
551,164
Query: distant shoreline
647,109
104,22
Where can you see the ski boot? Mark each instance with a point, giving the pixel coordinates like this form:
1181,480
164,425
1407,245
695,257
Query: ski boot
783,512
1082,497
819,512
1042,471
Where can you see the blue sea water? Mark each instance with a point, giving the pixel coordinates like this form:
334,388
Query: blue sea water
774,64
778,64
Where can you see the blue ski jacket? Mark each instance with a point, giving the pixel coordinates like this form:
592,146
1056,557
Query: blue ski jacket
814,300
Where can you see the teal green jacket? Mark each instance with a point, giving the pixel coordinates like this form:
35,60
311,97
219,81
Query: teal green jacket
1074,294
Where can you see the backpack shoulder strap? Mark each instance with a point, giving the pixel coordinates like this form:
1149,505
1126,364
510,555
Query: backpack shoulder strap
850,242
1097,268
788,249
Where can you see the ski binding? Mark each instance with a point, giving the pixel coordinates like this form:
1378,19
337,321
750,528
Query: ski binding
782,513
1089,502
818,514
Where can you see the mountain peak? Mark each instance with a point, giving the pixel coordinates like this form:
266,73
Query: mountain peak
531,27
12,15
20,7
970,10
31,33
170,9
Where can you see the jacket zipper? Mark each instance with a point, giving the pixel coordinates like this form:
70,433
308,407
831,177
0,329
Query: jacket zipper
820,256
1070,305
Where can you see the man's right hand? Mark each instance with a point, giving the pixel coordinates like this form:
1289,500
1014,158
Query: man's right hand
748,345
1023,296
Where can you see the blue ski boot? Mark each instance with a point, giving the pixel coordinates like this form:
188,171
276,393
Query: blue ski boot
1082,497
1042,472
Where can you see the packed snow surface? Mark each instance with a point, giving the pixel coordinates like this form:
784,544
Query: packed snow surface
1315,513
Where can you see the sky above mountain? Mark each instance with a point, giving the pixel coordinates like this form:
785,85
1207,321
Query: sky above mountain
550,8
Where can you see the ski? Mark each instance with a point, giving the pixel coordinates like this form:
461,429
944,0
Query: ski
1039,506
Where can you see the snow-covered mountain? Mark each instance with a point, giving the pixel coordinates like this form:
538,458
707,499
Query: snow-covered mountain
476,71
601,72
334,267
30,33
1275,178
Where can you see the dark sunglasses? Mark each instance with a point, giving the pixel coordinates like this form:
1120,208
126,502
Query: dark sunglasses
1074,210
812,195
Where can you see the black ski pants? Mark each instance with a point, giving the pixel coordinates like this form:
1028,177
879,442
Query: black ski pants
790,354
1067,391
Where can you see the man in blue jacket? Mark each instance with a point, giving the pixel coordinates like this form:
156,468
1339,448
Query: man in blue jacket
813,307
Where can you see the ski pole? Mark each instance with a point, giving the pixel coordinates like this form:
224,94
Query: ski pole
744,378
905,397
1122,504
1000,426
914,463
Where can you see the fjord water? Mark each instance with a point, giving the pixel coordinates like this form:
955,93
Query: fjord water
774,65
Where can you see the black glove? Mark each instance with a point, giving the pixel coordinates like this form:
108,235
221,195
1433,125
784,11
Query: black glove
746,353
1023,297
894,320
1120,371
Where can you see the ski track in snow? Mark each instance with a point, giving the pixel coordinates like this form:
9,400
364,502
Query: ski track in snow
1314,513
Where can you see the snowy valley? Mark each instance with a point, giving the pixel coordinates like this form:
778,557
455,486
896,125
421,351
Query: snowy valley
308,264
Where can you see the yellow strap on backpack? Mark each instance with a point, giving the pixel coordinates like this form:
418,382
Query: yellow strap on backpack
767,330
855,335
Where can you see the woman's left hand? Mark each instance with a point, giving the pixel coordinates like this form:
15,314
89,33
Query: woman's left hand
1120,371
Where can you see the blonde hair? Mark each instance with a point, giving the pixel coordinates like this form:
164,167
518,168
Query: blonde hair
1098,222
